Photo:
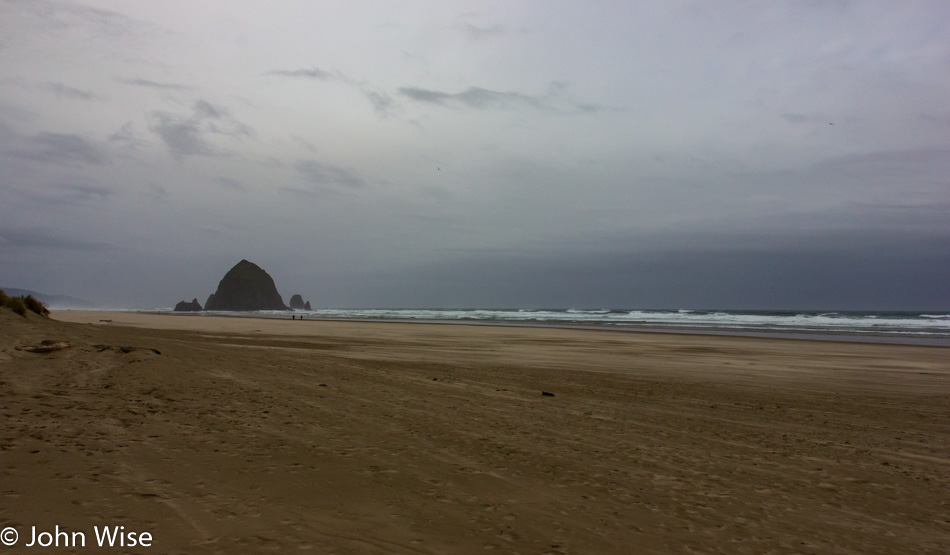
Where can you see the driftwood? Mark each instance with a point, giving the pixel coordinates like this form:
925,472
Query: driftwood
45,346
122,349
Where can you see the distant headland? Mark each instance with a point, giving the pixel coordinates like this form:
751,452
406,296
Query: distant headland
51,301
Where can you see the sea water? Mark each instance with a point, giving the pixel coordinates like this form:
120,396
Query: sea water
925,327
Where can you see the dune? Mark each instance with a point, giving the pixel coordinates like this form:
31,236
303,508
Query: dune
245,435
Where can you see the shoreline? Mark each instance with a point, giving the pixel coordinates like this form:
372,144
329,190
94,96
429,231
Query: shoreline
800,335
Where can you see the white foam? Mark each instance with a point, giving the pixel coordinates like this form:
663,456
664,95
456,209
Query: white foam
835,322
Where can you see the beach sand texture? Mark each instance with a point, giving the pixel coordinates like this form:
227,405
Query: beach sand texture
242,435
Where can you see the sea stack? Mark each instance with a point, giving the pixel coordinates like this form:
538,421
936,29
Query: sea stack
184,306
296,303
246,286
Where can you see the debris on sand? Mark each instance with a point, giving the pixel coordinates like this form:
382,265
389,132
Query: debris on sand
45,346
123,349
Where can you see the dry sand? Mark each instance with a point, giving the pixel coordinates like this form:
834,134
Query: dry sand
234,435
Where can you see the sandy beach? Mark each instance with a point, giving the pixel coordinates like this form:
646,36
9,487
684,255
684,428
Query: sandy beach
241,435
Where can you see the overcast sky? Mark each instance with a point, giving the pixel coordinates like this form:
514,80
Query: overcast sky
480,154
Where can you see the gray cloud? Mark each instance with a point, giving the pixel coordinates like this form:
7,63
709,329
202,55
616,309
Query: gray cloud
482,99
88,192
473,97
325,175
475,32
182,136
382,102
40,238
189,135
906,176
802,118
71,194
205,109
59,148
155,85
51,16
232,184
64,91
106,22
846,271
219,120
310,73
723,168
126,136
156,191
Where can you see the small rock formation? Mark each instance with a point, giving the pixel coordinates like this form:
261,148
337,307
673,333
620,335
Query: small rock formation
209,302
246,287
296,303
183,306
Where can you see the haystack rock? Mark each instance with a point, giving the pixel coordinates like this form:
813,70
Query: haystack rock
246,287
296,303
183,306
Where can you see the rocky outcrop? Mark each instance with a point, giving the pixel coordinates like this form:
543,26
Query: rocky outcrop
210,301
246,286
296,303
183,306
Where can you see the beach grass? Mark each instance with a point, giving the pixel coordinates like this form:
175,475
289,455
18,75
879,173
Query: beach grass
20,305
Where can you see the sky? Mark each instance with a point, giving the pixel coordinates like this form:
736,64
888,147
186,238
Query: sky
549,154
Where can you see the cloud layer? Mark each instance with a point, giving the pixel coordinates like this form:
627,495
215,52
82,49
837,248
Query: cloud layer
632,154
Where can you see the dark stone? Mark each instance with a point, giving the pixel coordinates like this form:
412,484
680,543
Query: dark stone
306,306
246,287
296,302
210,301
183,306
546,394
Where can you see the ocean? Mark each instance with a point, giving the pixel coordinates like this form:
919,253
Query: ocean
927,327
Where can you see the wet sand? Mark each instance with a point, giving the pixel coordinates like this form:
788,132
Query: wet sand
233,435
